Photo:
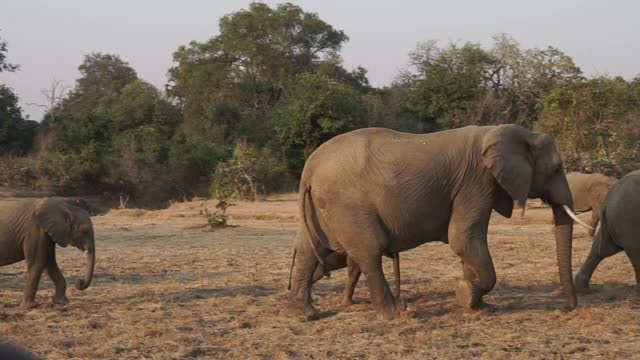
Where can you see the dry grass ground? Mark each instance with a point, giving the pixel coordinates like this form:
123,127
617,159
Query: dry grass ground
167,288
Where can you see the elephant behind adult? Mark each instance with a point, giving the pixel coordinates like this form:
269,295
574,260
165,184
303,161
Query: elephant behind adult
588,191
619,229
30,228
376,191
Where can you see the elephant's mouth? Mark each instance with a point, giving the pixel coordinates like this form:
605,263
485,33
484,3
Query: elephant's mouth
569,212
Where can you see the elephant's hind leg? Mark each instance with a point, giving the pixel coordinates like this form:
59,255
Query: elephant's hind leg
300,301
363,245
353,274
58,279
601,248
634,257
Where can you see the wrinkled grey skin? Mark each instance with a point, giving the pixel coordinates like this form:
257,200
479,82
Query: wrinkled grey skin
29,230
374,192
588,191
9,351
619,229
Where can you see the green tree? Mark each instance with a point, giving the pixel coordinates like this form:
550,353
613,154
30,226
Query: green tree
316,110
4,65
448,83
596,124
247,67
16,133
456,86
103,78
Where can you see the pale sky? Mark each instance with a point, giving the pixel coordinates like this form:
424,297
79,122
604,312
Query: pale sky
48,39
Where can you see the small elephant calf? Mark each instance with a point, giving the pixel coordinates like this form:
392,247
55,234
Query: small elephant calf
340,260
619,229
30,229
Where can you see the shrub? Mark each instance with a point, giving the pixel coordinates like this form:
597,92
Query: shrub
248,174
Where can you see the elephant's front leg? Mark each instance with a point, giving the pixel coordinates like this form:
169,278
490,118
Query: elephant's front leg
479,275
468,239
58,279
34,272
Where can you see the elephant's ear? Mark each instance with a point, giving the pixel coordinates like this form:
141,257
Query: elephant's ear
55,218
506,151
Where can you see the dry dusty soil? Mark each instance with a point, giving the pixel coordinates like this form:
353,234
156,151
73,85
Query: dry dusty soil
166,287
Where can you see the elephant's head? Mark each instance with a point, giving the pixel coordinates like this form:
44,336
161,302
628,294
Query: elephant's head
67,224
528,165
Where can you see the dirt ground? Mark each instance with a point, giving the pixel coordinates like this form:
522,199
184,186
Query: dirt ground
166,287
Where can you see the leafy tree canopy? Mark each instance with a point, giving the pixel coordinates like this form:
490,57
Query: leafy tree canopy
248,65
316,110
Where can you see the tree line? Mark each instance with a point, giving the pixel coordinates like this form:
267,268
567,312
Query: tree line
242,111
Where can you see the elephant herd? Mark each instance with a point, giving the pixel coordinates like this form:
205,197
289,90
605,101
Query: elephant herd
376,192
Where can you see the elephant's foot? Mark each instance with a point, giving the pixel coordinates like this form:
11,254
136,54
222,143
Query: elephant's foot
401,304
582,284
347,301
391,310
298,310
60,300
468,296
28,304
486,307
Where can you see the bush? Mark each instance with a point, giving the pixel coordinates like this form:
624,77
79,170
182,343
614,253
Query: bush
248,174
18,172
596,124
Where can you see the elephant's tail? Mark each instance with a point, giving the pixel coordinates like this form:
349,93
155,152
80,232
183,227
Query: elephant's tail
604,232
315,239
293,262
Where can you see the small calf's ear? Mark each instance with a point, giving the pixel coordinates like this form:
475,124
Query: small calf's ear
506,153
55,219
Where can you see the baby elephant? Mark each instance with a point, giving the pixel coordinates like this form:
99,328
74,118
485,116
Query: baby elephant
337,261
29,230
588,192
619,229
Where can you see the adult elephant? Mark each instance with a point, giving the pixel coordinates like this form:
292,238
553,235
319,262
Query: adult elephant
374,192
30,228
618,229
588,191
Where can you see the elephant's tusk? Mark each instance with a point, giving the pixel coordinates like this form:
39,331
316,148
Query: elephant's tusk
575,217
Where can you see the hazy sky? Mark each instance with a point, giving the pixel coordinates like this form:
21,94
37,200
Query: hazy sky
48,39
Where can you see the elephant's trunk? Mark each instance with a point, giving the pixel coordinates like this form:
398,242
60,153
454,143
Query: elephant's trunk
564,238
82,284
559,197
